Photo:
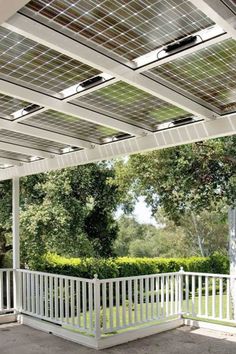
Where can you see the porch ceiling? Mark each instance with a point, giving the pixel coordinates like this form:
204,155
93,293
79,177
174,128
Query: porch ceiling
86,81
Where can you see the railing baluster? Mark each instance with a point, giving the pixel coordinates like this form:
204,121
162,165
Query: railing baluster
130,300
213,297
24,291
152,297
46,295
8,289
228,299
221,299
117,303
1,292
162,296
90,285
199,295
56,297
141,298
206,296
193,294
171,295
157,296
37,299
78,302
167,296
104,306
135,300
176,294
111,305
28,288
51,296
61,300
84,289
72,301
187,292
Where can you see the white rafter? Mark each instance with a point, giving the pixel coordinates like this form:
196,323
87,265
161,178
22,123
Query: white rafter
25,150
44,134
204,130
82,53
9,8
219,13
43,100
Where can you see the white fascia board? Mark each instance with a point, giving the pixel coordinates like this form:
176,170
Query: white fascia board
55,104
82,53
25,150
199,131
9,8
219,13
44,134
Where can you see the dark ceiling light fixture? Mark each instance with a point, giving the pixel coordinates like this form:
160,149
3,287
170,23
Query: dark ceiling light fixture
91,82
184,120
181,44
31,108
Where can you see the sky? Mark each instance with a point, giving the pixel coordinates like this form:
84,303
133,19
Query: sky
142,213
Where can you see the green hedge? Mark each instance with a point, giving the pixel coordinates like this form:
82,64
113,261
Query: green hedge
127,266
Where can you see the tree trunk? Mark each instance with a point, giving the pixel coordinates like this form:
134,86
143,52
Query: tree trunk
199,240
232,255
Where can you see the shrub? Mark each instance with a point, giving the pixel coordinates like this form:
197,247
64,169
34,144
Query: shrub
127,266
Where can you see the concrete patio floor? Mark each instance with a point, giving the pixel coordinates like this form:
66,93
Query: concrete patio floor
19,339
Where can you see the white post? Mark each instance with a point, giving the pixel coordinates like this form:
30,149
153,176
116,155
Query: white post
97,307
181,275
16,238
232,255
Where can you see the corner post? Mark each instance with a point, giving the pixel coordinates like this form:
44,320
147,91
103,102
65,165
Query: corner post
16,239
97,307
181,276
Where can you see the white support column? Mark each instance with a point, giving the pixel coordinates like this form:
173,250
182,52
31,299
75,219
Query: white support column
15,222
16,241
232,255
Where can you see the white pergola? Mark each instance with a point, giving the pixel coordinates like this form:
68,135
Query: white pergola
82,81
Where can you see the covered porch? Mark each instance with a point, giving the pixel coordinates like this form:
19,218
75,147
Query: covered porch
73,95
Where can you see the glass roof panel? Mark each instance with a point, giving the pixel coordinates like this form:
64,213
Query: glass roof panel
14,156
9,105
69,125
209,74
26,61
126,27
30,141
131,105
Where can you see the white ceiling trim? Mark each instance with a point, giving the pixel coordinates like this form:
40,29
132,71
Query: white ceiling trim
59,42
200,131
9,8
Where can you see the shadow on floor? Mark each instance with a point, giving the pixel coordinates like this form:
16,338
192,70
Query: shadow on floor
20,339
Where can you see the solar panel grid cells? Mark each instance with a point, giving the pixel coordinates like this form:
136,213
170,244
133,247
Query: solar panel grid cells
31,142
14,156
127,28
46,69
131,105
209,74
71,126
9,105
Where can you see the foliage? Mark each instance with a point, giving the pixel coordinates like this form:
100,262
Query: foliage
128,266
185,179
5,220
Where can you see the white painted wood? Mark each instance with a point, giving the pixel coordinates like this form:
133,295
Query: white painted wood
117,290
232,256
110,287
200,131
213,297
221,299
193,294
9,8
228,300
206,295
104,305
97,309
187,292
90,307
199,296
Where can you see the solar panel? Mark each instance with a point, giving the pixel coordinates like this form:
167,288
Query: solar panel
127,28
28,62
30,141
69,125
131,105
9,105
14,156
209,74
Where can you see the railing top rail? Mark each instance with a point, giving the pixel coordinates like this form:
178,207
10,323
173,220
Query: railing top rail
213,275
60,276
157,275
6,269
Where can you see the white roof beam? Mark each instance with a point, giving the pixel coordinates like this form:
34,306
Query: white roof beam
9,8
25,150
80,52
28,95
44,134
204,130
219,13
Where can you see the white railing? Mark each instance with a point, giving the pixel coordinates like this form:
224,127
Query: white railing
99,307
6,290
208,296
